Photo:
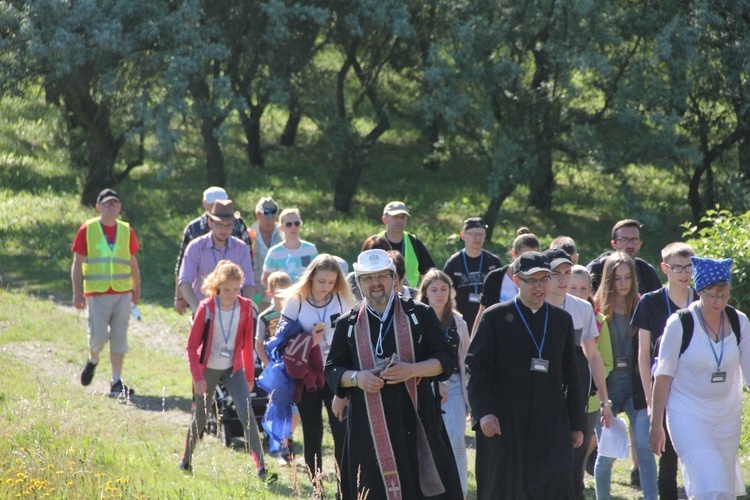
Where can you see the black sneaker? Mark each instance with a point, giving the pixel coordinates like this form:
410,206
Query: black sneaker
267,477
635,478
119,389
87,375
186,468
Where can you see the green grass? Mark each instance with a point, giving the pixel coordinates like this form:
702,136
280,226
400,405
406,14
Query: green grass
72,442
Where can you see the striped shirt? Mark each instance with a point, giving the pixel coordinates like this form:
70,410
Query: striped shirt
294,262
201,257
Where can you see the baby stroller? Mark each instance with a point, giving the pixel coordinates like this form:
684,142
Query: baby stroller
223,413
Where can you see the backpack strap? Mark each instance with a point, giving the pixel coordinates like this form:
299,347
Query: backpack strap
686,318
688,325
206,330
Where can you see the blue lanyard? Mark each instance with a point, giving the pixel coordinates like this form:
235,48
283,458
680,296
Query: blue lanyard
381,335
539,347
623,345
479,271
226,333
669,301
321,318
710,342
223,255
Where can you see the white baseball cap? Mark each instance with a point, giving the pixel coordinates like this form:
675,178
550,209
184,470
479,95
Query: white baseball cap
372,261
214,194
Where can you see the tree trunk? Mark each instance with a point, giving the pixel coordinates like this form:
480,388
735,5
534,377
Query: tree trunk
541,180
352,163
292,124
432,162
251,125
694,195
496,201
215,175
743,151
101,174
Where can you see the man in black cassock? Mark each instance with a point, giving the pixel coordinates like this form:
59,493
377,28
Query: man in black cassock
524,392
396,445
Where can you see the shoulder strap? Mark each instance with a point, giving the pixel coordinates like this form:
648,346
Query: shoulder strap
734,322
688,324
206,330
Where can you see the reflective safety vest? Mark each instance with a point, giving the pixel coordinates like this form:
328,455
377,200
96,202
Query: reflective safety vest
411,263
106,267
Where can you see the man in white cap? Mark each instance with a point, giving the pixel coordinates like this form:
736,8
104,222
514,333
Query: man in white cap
520,363
198,227
416,256
264,234
204,252
385,356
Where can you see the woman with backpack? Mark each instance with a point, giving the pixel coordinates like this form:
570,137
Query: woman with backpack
697,380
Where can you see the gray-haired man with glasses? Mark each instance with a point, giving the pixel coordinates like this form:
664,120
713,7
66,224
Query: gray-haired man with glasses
626,238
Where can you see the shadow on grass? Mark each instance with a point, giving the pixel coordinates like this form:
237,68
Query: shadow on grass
161,403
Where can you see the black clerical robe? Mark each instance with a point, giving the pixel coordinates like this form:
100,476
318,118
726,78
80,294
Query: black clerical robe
359,466
537,410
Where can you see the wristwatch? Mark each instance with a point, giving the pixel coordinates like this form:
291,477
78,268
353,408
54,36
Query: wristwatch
353,379
605,404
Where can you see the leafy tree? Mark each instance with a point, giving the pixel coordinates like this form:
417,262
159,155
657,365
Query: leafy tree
721,234
97,62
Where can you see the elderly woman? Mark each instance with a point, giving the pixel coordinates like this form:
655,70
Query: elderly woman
698,381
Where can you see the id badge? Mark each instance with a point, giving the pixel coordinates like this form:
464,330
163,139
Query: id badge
474,298
226,352
622,363
717,377
539,365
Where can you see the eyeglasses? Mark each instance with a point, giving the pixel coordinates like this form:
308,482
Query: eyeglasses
269,211
534,282
680,269
723,296
375,277
109,204
224,225
296,223
628,241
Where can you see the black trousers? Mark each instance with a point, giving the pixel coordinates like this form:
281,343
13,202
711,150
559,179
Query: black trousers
311,417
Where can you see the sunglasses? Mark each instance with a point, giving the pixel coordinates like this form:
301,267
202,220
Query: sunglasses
269,211
296,223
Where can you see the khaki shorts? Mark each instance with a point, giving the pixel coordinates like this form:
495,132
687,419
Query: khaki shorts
108,317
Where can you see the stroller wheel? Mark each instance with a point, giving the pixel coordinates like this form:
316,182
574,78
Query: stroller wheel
226,430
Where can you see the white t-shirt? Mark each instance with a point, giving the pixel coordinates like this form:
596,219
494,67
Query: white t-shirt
225,325
308,316
584,322
508,289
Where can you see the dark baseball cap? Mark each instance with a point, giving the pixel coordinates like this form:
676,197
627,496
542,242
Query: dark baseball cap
106,195
557,256
473,222
531,263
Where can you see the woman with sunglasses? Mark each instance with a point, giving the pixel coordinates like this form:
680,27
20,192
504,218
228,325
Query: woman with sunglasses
292,255
697,380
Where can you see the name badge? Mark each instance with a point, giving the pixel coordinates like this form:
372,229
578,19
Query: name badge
539,365
622,363
474,298
226,352
717,377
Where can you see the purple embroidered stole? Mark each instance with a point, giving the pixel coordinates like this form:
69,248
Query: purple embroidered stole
429,479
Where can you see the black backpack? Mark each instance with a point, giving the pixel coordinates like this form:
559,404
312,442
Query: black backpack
688,325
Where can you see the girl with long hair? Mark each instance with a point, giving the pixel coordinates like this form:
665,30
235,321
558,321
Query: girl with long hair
315,302
616,300
437,292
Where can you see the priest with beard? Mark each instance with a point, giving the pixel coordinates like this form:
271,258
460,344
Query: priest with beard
387,356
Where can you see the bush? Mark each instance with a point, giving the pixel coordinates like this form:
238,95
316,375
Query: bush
721,234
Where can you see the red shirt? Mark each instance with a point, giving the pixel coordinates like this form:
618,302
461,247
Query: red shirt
110,232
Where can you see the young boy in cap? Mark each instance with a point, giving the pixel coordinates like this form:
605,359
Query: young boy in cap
106,279
468,268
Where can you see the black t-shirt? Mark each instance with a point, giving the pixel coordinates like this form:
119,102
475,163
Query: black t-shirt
468,275
646,276
652,313
492,286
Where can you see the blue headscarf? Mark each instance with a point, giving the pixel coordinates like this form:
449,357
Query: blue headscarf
709,271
